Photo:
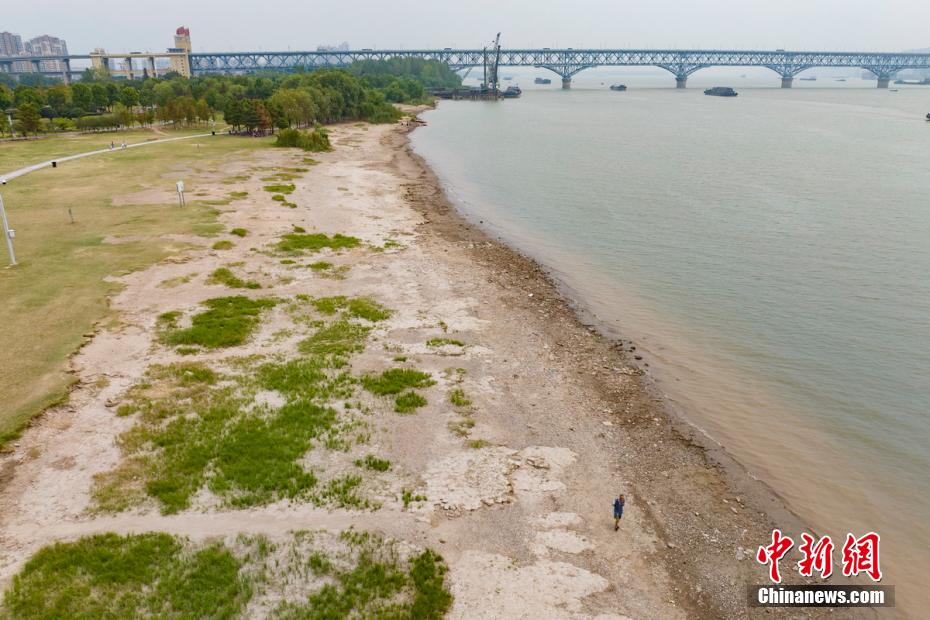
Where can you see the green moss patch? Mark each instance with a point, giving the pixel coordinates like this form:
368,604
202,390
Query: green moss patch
224,244
239,232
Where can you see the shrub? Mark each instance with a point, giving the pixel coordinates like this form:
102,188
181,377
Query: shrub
315,141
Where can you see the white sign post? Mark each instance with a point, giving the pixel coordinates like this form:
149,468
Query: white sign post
180,186
8,233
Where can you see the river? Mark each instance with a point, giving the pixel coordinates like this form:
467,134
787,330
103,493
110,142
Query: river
769,254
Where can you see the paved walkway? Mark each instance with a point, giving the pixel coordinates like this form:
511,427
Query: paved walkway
9,176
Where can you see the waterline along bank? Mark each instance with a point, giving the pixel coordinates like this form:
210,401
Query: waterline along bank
775,290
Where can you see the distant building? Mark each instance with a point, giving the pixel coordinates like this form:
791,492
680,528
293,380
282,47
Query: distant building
11,44
342,47
48,46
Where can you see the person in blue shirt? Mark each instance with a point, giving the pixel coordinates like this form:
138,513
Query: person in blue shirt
618,511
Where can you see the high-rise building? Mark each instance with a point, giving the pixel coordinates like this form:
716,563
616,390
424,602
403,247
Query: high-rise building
48,46
11,44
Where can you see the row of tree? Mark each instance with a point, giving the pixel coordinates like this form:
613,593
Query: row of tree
363,91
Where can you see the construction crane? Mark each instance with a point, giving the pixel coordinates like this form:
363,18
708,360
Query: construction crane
491,64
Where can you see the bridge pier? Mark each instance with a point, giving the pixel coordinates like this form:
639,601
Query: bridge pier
681,81
883,81
566,83
786,82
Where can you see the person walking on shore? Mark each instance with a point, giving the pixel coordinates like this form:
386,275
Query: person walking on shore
618,511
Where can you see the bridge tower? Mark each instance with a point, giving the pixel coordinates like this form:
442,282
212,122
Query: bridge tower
181,52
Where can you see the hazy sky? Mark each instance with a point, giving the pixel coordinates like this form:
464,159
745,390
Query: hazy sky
117,25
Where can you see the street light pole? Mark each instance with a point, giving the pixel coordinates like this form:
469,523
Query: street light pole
8,234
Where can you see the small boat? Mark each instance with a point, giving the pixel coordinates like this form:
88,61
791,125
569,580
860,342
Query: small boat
512,92
542,81
841,79
720,91
924,82
620,87
928,116
808,79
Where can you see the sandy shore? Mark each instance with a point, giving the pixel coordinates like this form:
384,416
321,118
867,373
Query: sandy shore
519,501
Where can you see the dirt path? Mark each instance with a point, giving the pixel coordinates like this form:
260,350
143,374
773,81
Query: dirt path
518,502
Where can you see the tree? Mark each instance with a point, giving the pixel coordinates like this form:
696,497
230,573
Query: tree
101,97
6,97
57,98
29,119
129,97
83,97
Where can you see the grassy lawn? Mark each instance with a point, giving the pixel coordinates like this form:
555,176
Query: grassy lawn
58,291
14,155
155,575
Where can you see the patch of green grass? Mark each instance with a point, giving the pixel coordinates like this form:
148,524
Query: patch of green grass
256,460
477,444
307,378
238,195
228,278
442,342
239,232
310,161
396,380
358,307
281,188
374,463
279,198
314,242
228,322
68,269
339,338
298,229
370,580
321,265
342,493
288,261
408,497
400,358
458,398
408,402
144,575
281,176
224,244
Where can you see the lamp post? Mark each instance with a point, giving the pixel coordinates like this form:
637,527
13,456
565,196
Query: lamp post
8,233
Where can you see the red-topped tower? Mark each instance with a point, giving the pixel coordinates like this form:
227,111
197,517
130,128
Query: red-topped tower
180,53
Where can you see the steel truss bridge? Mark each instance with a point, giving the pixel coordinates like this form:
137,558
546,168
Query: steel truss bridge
568,62
564,62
